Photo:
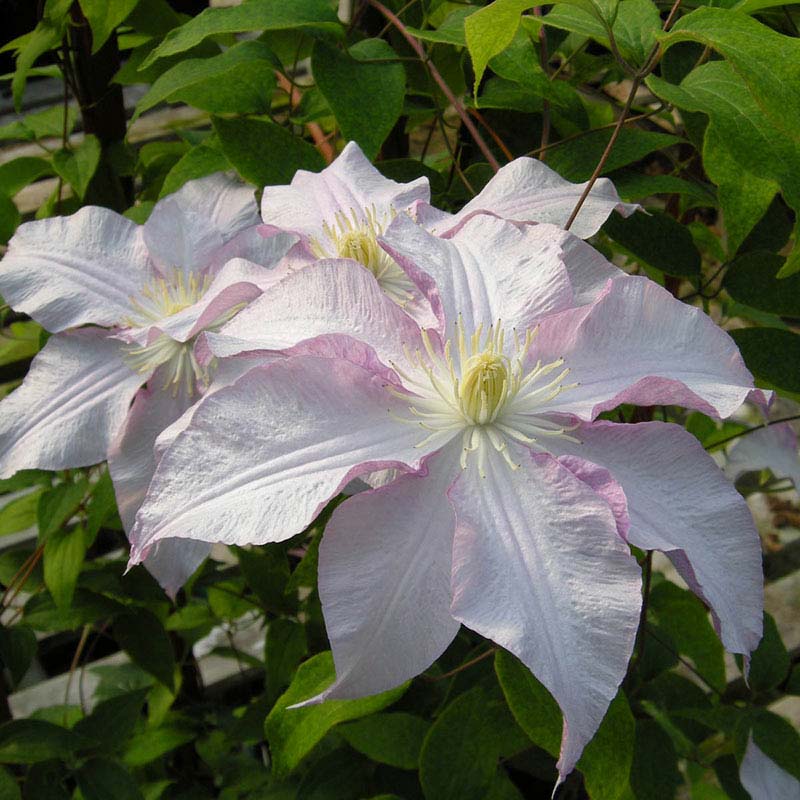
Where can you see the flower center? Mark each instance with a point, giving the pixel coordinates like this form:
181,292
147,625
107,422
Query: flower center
182,370
487,394
356,237
164,297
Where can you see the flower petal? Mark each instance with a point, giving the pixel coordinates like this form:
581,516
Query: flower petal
489,270
350,184
680,503
330,297
763,778
638,344
257,244
70,405
773,447
236,284
68,271
261,457
384,580
173,561
539,568
132,462
526,190
186,228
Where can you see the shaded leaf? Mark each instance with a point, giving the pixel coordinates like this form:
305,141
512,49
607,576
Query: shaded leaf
142,636
392,738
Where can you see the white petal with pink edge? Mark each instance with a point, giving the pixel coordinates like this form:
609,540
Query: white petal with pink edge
527,190
260,458
68,271
384,580
330,297
186,228
539,568
70,406
351,184
490,270
680,503
638,344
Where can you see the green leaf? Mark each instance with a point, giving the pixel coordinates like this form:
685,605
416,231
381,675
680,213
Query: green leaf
293,732
26,741
112,721
606,761
394,738
776,737
636,25
20,513
25,477
262,152
266,572
101,506
256,15
658,240
533,707
10,218
50,122
241,80
19,172
751,279
769,662
20,340
741,152
767,62
685,620
42,614
469,737
9,789
58,505
198,162
654,773
17,649
284,648
451,30
772,355
576,160
104,16
43,38
77,167
153,743
635,186
346,80
64,552
490,30
142,636
101,779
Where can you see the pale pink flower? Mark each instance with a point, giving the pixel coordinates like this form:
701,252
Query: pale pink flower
513,510
343,210
773,447
127,304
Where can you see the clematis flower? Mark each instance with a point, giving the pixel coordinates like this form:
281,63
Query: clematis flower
127,304
763,778
513,511
343,210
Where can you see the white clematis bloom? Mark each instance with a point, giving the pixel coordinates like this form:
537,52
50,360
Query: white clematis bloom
342,211
128,305
514,509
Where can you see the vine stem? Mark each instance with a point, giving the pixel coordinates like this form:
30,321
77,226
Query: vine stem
757,428
638,78
436,75
466,665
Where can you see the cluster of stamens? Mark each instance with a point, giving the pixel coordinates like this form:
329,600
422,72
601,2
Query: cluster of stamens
355,236
164,297
488,395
